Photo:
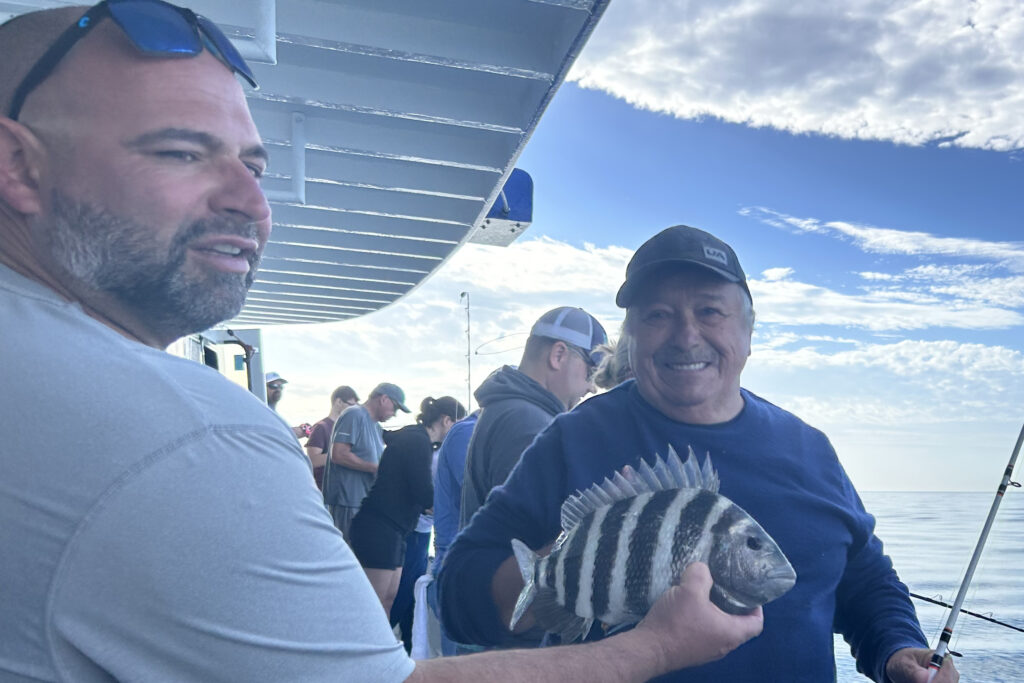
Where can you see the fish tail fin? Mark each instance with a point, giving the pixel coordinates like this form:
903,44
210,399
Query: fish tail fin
525,559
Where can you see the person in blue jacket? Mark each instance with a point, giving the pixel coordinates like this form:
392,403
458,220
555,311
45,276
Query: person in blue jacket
451,466
689,320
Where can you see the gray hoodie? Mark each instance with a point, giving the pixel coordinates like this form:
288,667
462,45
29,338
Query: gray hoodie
514,409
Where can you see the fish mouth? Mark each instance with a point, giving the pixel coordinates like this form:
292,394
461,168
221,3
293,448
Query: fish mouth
776,583
784,574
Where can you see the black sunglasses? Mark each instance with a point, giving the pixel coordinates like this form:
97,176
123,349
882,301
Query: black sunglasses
592,359
155,27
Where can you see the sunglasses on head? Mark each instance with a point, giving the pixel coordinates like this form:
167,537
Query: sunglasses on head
155,27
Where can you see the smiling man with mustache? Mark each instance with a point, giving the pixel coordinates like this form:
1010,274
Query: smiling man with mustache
688,327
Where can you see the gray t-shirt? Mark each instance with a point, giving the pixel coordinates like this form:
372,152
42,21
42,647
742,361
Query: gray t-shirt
165,525
348,487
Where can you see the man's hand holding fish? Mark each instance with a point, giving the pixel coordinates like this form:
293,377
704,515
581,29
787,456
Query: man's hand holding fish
689,628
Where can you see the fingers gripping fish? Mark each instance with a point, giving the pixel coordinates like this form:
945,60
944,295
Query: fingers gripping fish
624,542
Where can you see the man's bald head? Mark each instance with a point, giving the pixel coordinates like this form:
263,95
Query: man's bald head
23,40
131,180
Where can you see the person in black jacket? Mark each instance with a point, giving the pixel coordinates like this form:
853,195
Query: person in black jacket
402,491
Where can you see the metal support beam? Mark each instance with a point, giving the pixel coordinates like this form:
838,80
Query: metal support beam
297,193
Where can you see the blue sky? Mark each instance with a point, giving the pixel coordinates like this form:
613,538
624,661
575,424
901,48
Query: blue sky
866,167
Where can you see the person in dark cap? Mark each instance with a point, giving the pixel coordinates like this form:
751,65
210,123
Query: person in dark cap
357,443
554,373
689,320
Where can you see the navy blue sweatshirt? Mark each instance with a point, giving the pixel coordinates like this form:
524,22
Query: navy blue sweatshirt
783,472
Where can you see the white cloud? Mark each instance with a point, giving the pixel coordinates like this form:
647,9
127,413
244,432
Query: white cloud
910,358
794,303
966,295
420,342
867,275
901,70
541,265
892,241
774,274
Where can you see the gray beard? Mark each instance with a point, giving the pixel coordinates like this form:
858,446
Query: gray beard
118,256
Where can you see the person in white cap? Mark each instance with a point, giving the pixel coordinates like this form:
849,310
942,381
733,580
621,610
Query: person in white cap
516,403
275,388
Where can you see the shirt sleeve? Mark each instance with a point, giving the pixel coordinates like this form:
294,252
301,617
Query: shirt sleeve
319,437
216,561
873,608
421,483
527,508
451,464
345,429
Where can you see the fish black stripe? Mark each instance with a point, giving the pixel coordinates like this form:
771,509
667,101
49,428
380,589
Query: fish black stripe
639,562
692,518
574,560
607,547
550,568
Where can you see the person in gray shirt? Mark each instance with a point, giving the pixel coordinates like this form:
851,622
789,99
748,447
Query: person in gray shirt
356,446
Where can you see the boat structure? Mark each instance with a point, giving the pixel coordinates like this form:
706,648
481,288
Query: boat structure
394,127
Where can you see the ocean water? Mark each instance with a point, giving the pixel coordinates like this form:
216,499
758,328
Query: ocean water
930,537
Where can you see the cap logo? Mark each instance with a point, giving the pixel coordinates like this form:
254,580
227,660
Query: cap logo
716,255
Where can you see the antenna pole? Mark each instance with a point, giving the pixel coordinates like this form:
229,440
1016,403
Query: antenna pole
469,373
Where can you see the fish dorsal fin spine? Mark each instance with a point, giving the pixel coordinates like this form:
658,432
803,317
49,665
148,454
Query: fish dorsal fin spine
666,474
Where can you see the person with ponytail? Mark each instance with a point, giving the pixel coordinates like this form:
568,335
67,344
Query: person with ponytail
403,489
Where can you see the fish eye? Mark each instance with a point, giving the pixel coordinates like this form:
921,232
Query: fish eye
753,543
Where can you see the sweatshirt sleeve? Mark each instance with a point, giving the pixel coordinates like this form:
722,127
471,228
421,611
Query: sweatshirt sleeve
527,508
421,482
873,608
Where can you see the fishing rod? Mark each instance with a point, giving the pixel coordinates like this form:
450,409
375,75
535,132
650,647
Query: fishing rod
986,617
947,632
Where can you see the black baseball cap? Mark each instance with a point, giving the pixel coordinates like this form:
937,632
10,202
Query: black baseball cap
680,245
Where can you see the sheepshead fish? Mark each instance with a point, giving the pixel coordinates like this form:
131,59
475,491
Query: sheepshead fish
624,542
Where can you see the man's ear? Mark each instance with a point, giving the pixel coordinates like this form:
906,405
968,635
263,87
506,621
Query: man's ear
558,354
21,155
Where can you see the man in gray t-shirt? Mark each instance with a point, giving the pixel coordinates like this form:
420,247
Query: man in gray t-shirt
356,447
131,214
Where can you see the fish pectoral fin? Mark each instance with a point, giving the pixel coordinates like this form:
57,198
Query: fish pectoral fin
555,618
